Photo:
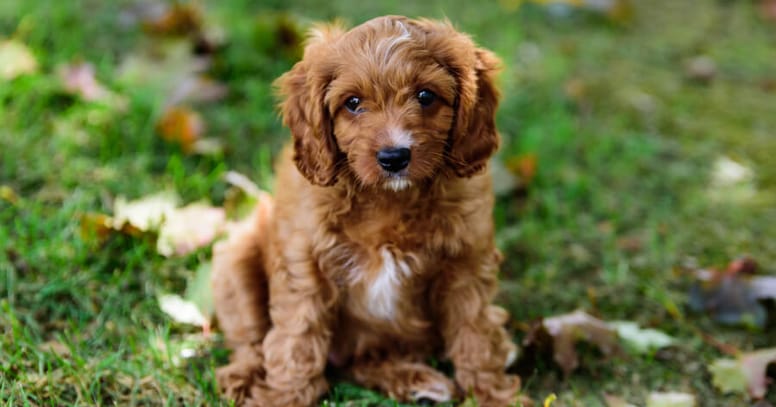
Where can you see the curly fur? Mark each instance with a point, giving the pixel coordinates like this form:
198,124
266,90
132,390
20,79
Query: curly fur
370,272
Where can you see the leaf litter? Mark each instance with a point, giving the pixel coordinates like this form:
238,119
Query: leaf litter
734,296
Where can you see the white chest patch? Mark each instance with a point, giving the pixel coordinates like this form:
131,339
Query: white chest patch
384,289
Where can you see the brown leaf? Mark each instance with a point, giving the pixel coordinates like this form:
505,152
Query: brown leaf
768,9
178,20
182,126
732,296
524,167
568,329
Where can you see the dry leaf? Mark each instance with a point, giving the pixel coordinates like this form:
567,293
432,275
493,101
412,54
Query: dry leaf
504,182
618,11
524,167
672,399
638,340
745,374
566,330
173,72
8,194
189,228
700,69
615,401
199,292
733,296
78,79
146,213
16,60
182,126
179,19
56,347
180,310
768,9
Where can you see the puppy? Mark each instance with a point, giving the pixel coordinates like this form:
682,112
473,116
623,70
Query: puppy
378,252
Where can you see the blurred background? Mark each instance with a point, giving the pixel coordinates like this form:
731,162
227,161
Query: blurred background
636,182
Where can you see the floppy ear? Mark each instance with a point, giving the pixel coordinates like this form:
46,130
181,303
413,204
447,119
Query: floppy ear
473,138
302,91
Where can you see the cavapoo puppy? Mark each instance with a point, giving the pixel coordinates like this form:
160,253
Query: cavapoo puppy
378,252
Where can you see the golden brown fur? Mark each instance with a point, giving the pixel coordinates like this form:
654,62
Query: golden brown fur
370,271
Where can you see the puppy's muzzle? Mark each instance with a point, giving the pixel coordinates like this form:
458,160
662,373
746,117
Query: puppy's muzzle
393,159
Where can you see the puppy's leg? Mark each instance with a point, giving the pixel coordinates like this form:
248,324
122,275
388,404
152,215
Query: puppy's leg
404,380
475,339
239,284
296,347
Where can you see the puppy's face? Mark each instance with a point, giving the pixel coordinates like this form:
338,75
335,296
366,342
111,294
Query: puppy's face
393,102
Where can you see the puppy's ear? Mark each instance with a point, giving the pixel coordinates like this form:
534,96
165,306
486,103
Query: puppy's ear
474,137
302,92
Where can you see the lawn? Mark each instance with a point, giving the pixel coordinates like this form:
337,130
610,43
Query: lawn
618,123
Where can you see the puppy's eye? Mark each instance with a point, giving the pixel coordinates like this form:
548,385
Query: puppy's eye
426,97
352,104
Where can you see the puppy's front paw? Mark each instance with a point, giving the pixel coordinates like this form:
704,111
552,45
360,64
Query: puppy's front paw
491,389
303,395
237,379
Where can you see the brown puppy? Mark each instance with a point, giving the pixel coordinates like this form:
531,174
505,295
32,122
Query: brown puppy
379,251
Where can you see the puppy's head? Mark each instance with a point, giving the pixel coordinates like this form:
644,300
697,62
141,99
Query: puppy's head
393,102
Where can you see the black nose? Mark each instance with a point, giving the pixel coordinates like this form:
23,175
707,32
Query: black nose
394,159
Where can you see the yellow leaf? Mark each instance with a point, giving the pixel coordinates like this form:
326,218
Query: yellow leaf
16,60
181,125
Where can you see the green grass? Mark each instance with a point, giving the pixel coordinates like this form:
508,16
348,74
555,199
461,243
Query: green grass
630,158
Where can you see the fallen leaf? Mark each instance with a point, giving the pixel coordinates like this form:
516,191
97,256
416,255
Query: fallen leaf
180,310
146,213
566,330
16,60
745,374
177,20
700,69
182,126
615,401
170,70
618,11
733,296
56,347
731,181
280,35
768,9
763,287
186,229
504,182
8,194
199,293
78,79
197,89
638,340
672,399
523,167
243,195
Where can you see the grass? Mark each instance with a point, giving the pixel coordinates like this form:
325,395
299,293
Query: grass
625,145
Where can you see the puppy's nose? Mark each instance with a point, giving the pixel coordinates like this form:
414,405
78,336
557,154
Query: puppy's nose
394,159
